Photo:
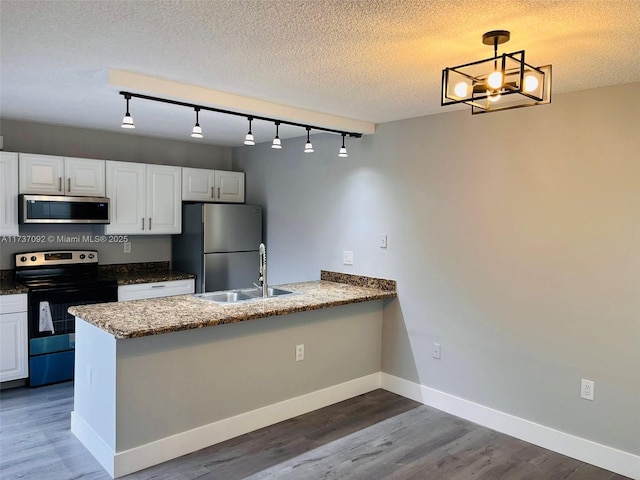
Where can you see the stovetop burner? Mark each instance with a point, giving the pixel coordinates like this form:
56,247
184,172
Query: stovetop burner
60,269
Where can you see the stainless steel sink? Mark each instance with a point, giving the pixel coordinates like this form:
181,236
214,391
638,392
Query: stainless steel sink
224,297
272,292
243,295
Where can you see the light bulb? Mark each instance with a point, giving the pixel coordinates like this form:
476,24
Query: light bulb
494,97
343,152
495,80
276,143
308,148
248,139
461,89
196,132
127,121
530,83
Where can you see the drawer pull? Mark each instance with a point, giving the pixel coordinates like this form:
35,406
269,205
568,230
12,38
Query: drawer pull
158,286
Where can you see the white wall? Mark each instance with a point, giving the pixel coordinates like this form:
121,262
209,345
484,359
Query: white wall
514,238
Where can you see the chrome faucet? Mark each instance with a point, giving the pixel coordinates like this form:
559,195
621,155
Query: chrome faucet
263,271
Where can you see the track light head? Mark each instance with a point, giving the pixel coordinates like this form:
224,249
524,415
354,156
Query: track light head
127,121
343,150
248,139
276,140
308,148
197,131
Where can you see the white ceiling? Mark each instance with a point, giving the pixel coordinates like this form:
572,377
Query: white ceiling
371,60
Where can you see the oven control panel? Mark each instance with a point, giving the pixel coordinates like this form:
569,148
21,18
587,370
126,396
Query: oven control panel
56,257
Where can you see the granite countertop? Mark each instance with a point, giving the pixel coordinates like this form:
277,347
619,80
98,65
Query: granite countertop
134,273
125,274
8,284
139,318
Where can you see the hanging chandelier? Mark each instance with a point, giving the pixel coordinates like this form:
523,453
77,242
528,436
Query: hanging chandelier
499,83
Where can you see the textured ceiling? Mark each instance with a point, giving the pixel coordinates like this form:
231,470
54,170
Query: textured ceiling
373,60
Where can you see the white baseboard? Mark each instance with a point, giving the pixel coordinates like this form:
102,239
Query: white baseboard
144,456
93,442
617,461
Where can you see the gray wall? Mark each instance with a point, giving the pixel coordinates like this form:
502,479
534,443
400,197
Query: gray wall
30,137
514,238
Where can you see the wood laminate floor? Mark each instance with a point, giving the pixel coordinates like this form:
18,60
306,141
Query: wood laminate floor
378,435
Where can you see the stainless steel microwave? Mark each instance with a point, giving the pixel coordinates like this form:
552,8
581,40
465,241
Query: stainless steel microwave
62,209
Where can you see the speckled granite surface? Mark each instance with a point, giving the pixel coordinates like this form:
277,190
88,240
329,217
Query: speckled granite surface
150,272
140,318
358,280
8,285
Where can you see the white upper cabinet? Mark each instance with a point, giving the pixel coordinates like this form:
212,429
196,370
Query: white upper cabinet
126,192
202,185
52,175
145,199
8,193
164,206
198,184
41,174
85,177
229,186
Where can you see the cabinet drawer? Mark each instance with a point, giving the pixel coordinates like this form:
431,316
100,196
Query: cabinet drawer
155,290
13,303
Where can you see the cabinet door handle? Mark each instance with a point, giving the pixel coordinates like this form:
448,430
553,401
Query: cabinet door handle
218,193
142,226
59,184
69,183
149,223
212,195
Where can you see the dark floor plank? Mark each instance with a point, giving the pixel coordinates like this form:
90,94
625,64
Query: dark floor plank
379,435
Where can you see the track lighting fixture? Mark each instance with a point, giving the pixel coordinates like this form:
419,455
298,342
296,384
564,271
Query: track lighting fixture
127,121
197,131
343,149
499,83
248,139
308,148
276,140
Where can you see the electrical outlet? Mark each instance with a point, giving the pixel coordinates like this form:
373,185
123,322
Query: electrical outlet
383,241
436,351
127,247
300,352
586,389
347,257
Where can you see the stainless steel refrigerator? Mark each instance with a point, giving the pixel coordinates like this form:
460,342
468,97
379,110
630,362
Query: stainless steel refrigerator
219,244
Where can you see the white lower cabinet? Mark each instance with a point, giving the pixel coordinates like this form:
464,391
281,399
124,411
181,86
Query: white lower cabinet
14,363
141,291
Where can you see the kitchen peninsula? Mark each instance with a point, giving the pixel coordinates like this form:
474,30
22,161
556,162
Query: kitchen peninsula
155,381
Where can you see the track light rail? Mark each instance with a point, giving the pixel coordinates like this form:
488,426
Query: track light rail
128,95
